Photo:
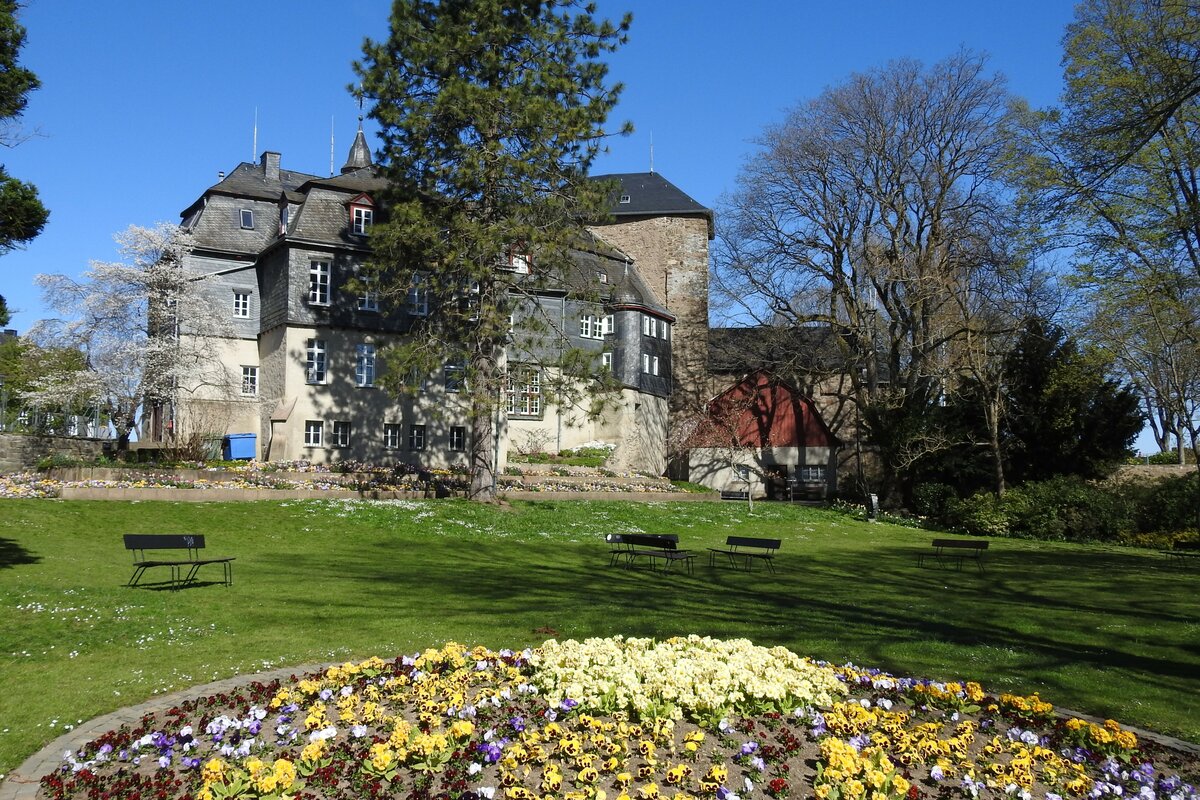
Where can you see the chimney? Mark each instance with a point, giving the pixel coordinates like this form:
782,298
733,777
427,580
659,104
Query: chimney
270,163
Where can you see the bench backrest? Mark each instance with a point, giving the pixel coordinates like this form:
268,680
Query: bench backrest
1186,546
970,544
750,541
164,541
665,542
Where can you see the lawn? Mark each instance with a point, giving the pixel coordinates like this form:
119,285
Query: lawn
1104,630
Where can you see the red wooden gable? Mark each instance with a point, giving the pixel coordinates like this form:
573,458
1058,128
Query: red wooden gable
762,411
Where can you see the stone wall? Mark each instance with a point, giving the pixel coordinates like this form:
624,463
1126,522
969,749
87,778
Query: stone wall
671,253
21,453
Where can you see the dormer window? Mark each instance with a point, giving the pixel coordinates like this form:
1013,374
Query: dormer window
362,215
247,217
283,220
518,259
625,198
362,218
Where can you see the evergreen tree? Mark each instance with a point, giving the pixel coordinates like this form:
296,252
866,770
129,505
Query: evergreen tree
491,112
1066,416
22,215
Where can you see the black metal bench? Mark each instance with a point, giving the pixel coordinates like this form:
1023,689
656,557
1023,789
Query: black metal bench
747,548
735,494
654,547
183,570
945,550
1180,552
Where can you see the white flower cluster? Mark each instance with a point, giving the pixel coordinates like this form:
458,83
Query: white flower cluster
698,676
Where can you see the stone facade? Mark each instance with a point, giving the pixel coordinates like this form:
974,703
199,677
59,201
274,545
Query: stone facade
20,453
280,250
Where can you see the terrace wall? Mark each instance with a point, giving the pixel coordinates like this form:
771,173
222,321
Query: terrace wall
19,453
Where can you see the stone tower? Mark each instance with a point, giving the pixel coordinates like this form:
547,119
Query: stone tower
667,235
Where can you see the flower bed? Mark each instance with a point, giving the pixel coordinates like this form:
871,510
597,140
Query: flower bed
302,475
627,719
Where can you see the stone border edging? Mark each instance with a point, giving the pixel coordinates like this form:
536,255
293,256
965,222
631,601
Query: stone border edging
24,781
238,495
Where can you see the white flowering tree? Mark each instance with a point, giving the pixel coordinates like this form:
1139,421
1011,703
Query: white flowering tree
145,325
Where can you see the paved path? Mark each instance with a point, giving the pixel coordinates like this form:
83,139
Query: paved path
22,783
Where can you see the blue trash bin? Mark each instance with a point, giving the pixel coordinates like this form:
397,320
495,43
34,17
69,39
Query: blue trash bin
238,446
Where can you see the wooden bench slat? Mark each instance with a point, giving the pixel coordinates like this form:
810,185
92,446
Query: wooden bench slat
762,549
963,548
654,547
139,543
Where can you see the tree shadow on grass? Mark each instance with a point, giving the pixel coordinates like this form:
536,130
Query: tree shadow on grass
1054,620
13,555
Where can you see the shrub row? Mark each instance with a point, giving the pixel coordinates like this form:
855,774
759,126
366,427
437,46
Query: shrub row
1070,509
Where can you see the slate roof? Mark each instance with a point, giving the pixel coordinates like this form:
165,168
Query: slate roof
782,350
250,180
652,195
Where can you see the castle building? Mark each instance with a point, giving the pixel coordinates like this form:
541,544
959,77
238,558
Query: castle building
279,251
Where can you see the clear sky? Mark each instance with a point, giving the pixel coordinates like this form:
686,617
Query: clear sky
143,102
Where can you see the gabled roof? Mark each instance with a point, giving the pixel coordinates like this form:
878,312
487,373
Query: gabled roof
780,349
648,194
251,181
761,410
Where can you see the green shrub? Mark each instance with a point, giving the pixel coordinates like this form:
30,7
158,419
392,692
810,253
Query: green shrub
1165,458
931,500
979,515
1168,505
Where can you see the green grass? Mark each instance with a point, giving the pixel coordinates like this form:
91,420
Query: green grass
1105,630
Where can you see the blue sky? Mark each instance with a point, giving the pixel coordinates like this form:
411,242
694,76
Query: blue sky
144,102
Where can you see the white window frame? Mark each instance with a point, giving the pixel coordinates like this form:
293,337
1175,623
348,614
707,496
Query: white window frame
416,437
417,301
654,365
361,219
454,377
609,324
314,433
665,328
393,435
315,362
318,282
519,260
458,439
246,218
364,365
649,325
524,398
369,299
812,473
340,435
646,363
241,305
249,381
606,360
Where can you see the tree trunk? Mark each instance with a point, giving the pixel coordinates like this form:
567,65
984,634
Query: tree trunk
483,453
485,406
993,422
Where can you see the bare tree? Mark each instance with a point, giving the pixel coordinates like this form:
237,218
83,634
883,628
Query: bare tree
144,324
873,210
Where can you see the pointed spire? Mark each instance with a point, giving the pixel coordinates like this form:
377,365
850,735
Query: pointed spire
360,153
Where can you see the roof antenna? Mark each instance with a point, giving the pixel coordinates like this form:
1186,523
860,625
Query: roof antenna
651,151
331,145
254,145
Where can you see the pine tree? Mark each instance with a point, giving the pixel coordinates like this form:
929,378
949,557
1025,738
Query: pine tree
491,112
22,215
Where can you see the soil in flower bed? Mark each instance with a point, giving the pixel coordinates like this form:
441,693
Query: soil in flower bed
469,724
